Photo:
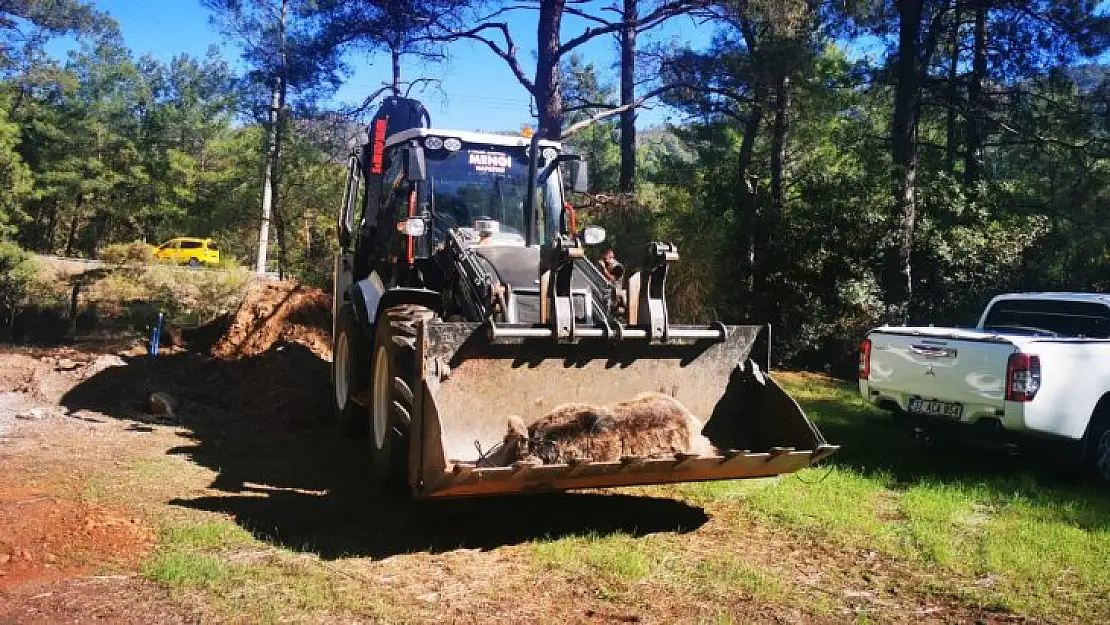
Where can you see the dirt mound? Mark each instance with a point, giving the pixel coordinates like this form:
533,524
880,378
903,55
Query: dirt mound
267,363
275,312
44,537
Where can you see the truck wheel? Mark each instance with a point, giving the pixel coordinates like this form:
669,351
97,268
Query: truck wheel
350,365
391,404
1096,456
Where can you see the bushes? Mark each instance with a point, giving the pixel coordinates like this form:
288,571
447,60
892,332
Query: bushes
17,273
186,296
134,253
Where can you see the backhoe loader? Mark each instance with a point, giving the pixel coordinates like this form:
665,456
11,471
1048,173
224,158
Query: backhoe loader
463,296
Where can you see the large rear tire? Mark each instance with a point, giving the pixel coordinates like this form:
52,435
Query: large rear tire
350,368
391,403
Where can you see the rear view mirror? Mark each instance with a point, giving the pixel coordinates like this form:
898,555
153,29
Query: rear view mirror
579,179
414,168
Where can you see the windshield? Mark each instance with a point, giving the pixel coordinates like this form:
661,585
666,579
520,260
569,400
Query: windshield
488,182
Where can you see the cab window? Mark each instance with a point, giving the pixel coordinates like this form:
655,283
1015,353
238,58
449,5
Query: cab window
397,186
190,245
212,246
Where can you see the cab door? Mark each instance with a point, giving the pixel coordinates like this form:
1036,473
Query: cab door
344,261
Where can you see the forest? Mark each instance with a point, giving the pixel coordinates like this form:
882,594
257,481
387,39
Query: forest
806,185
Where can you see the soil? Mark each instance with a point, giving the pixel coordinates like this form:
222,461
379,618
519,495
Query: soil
43,536
69,412
278,311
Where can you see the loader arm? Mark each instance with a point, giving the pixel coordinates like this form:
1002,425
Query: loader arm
475,286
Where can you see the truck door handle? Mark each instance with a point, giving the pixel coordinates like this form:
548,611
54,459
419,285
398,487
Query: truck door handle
930,351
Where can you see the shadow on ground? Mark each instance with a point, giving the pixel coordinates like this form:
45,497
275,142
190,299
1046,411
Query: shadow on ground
879,442
287,475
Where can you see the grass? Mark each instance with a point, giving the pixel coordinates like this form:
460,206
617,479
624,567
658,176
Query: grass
615,557
886,527
182,568
238,576
1027,541
731,576
983,530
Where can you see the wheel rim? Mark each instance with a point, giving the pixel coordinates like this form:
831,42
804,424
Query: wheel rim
342,372
1102,455
381,397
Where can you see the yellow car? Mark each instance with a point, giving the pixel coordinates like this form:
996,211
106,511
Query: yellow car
189,251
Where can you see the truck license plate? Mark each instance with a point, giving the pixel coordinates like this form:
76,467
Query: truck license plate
935,408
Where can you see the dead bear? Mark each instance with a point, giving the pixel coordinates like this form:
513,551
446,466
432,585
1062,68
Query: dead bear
650,425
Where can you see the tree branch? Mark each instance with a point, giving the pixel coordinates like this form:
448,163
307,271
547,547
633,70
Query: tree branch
661,14
617,110
508,54
586,16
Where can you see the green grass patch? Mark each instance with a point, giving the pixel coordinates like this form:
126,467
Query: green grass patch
730,576
207,535
617,557
240,577
191,554
1004,532
183,568
843,505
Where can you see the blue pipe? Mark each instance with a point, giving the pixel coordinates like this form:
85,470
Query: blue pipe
156,336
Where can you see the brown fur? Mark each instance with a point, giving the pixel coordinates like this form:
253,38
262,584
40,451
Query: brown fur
651,425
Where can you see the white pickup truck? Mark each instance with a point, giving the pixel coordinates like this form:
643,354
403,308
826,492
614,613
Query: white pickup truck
1036,364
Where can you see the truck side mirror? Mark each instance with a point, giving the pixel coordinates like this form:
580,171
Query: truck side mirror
415,169
579,178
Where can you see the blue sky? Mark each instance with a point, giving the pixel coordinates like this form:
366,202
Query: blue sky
477,90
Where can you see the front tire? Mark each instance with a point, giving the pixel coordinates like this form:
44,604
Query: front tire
350,364
391,404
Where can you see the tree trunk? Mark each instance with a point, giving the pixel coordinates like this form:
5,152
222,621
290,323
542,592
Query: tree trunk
952,143
778,141
100,222
904,152
549,97
51,228
748,205
628,96
973,163
395,53
279,221
273,149
72,238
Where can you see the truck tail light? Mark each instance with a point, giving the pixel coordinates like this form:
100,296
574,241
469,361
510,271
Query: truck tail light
865,359
1023,377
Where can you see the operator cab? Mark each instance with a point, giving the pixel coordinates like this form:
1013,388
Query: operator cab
434,214
477,184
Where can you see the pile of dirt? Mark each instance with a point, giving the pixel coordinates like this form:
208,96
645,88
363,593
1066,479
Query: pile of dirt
267,364
44,537
274,312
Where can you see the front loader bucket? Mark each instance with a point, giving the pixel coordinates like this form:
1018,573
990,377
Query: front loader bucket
470,384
